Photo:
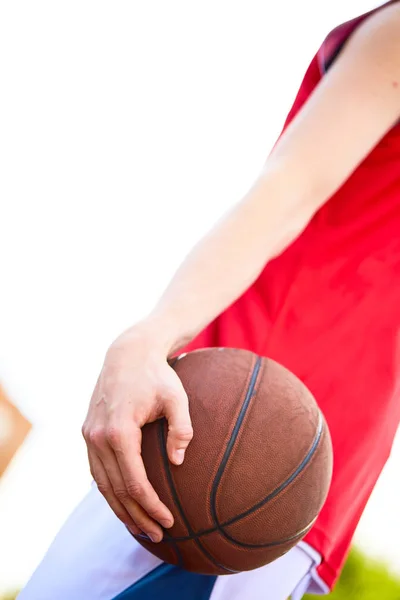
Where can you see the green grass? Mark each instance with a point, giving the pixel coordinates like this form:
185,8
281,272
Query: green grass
364,579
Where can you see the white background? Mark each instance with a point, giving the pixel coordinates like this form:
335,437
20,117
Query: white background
126,130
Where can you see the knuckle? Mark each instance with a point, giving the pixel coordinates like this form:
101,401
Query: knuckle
135,489
97,437
172,395
103,488
156,510
113,436
184,433
122,494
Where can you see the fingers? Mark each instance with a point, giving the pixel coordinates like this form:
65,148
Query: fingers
180,431
127,450
113,435
105,488
119,493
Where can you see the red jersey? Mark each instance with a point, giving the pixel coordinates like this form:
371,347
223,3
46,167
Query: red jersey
328,308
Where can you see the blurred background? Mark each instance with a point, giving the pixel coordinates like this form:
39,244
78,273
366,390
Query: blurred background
127,129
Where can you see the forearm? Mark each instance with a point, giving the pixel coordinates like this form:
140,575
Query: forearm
309,163
229,259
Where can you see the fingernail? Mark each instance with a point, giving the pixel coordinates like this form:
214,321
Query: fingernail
179,456
154,538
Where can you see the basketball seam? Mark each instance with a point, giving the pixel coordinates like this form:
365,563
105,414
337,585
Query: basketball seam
172,540
289,476
220,526
231,443
297,536
300,469
205,532
162,442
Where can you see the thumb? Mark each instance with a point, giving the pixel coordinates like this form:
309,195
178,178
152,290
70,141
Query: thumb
180,431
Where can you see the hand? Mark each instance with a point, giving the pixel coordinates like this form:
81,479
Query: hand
136,386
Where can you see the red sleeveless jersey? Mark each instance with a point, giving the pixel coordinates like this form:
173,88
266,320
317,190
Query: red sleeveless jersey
328,309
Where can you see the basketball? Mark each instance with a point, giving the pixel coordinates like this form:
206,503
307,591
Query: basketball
256,473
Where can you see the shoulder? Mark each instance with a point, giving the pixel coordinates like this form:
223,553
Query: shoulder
348,113
385,18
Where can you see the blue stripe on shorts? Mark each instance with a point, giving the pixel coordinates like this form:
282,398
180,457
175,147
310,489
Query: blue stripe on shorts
168,582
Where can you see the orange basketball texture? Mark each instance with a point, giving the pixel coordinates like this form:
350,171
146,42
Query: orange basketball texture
256,473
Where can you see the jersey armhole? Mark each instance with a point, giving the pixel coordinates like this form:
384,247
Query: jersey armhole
336,39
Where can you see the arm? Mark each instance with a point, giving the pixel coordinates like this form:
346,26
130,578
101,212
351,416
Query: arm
358,101
360,95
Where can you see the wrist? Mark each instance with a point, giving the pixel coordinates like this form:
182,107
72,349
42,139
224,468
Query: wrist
162,332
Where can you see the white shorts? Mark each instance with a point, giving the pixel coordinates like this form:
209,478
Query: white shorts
94,557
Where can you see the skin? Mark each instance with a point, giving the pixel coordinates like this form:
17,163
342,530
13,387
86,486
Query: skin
357,101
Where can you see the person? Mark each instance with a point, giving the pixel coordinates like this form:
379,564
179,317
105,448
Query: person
304,269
